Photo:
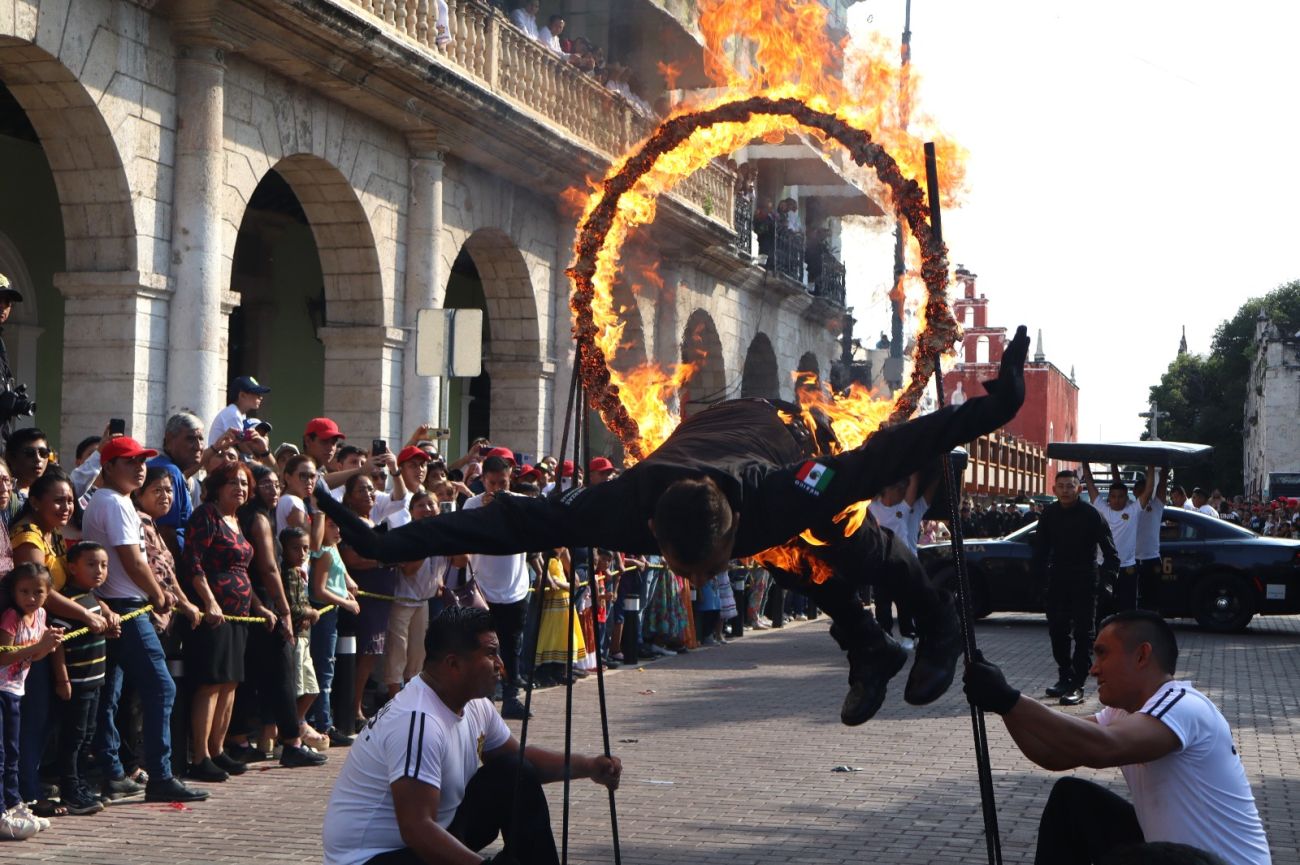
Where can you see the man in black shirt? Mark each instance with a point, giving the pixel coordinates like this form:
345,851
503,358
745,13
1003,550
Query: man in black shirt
737,479
1065,557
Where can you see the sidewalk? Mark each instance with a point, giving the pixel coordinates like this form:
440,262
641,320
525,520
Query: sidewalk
728,755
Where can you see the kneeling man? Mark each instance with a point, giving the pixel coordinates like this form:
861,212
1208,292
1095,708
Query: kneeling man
1170,741
432,777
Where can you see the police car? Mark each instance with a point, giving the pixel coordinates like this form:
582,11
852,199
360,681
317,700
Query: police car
1212,570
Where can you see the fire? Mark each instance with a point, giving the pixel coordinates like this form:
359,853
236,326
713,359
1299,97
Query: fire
671,72
783,57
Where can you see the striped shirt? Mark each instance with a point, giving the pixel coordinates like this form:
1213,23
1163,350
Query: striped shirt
414,736
84,655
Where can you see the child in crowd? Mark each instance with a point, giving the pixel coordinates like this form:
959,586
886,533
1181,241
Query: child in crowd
78,668
330,585
22,625
417,583
295,546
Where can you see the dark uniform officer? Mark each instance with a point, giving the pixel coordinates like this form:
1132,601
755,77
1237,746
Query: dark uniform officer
1065,557
14,402
777,489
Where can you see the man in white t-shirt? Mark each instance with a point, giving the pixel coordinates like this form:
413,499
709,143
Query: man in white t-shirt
111,520
1172,744
1148,539
1123,515
524,16
1201,503
248,398
504,581
433,776
393,509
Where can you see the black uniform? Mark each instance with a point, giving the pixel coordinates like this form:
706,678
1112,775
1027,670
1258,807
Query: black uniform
765,469
1065,556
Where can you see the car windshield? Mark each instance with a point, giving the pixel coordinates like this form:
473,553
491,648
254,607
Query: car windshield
1210,526
1022,534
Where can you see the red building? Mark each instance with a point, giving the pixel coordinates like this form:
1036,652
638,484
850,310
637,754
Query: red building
1051,409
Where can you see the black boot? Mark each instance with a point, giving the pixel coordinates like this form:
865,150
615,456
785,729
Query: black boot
870,669
1064,683
937,652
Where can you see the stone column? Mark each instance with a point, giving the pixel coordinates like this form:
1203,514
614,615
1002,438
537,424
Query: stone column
362,377
114,353
195,372
520,389
425,283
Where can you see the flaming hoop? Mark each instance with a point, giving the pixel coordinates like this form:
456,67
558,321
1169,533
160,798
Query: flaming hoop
596,251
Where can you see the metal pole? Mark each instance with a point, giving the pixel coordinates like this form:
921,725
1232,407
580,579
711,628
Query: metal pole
992,836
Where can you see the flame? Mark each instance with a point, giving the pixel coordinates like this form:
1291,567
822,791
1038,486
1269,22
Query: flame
671,72
790,55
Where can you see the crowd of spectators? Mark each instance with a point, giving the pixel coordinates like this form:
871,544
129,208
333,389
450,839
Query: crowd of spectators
186,611
580,53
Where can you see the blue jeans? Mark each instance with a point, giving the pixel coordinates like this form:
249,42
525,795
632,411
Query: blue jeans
138,656
324,641
35,726
9,748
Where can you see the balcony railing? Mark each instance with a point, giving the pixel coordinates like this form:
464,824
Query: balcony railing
829,283
743,221
789,253
488,48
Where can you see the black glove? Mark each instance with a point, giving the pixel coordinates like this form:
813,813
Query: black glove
987,689
1009,386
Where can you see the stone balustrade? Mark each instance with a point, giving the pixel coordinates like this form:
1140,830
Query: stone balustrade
488,48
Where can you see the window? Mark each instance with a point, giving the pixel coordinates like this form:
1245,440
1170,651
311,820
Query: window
982,349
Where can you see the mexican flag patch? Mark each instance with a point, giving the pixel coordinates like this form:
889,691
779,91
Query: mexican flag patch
814,477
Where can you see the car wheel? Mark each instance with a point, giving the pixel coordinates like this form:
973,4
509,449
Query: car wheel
1223,602
947,578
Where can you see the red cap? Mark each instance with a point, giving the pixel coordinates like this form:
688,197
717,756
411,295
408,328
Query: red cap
566,469
411,452
505,454
323,428
528,470
599,464
123,447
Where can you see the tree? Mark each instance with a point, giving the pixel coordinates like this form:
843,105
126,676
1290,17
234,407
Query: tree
1206,396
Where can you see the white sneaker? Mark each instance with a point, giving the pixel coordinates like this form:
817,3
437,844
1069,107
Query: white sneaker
15,828
22,812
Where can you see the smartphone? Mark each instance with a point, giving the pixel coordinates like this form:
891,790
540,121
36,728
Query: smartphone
446,507
438,433
378,446
484,450
116,427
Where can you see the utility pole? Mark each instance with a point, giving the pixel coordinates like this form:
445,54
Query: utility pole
1153,417
894,367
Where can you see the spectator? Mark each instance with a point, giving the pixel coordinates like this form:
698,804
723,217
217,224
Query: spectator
182,457
248,396
504,581
254,443
417,583
22,623
283,454
152,501
275,667
78,677
217,556
330,586
393,509
525,18
299,477
376,578
6,492
27,453
320,441
112,522
295,550
552,656
86,447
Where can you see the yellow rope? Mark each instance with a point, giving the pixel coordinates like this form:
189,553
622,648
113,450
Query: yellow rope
81,632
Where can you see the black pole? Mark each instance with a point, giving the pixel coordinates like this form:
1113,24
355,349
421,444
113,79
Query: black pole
992,837
574,586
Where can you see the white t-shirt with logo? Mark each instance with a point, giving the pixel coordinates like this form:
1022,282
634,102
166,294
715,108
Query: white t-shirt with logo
902,519
112,521
503,579
1148,540
1197,795
414,736
1124,529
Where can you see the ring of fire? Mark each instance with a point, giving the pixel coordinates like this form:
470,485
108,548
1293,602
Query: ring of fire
937,335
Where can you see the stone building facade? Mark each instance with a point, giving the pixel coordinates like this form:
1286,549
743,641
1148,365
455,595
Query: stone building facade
195,190
1272,421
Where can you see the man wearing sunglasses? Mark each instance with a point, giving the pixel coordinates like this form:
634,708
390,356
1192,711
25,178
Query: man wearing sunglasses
28,453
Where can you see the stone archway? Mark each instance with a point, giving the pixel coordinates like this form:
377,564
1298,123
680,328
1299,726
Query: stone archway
75,229
702,347
304,261
490,273
808,363
760,377
632,344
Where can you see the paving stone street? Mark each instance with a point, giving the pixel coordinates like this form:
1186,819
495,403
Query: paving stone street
728,756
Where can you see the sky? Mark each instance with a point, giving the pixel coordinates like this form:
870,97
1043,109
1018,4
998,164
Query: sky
1132,170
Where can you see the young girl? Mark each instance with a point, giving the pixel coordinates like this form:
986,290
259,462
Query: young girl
22,625
330,585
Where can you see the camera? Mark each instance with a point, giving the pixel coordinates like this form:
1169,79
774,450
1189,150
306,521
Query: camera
14,403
